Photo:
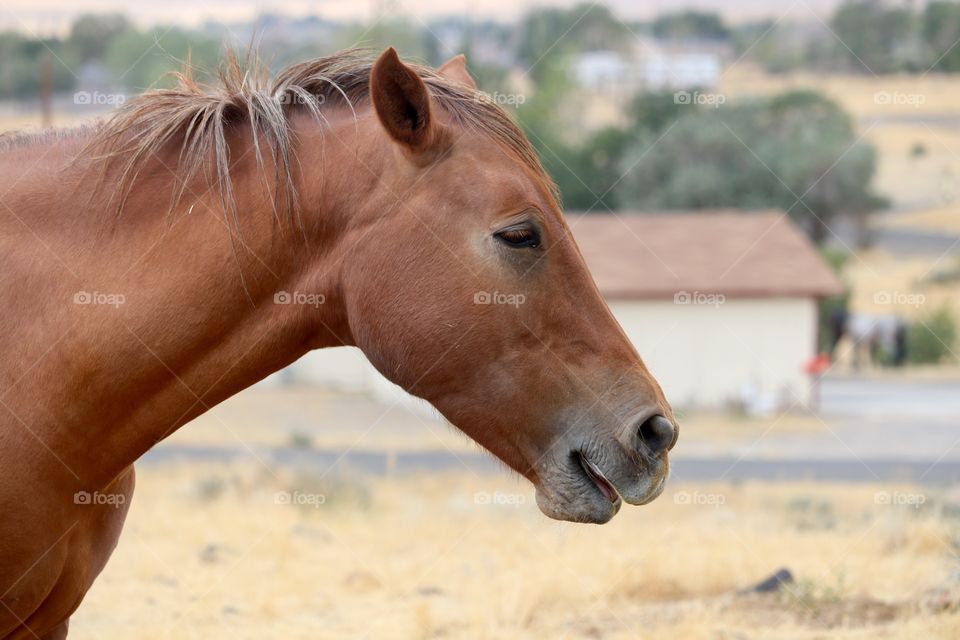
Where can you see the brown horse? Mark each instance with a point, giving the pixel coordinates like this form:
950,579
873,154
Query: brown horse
205,237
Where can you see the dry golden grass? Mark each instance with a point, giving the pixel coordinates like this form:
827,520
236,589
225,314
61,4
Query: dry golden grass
944,218
862,95
928,181
875,277
208,553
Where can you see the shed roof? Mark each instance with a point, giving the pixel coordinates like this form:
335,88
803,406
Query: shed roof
737,254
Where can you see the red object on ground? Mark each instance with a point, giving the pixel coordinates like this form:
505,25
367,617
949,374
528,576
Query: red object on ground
818,364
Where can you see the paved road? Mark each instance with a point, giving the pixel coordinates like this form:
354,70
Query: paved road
901,241
916,242
864,420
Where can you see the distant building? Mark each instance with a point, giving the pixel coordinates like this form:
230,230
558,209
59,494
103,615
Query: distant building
607,71
722,306
652,65
663,70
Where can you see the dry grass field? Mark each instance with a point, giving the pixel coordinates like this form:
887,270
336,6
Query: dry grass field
911,284
212,552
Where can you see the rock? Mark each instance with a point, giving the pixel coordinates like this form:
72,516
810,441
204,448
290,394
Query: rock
770,584
941,600
214,553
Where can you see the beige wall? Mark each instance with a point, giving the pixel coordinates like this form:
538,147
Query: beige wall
707,355
704,355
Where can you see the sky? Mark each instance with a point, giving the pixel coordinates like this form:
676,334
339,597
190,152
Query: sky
48,17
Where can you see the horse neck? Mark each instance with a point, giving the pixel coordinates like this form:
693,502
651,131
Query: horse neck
156,317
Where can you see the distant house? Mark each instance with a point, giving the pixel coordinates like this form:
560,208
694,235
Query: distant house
652,65
607,72
664,70
722,306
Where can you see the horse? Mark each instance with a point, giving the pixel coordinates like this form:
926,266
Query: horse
207,235
876,339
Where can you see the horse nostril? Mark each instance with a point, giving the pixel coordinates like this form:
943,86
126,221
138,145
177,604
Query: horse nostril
657,434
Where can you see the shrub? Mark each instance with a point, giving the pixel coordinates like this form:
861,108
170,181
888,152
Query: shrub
931,339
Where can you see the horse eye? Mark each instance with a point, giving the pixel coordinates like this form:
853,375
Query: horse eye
519,237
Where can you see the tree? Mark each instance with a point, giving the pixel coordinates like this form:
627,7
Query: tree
140,59
875,37
690,24
797,151
20,67
780,47
941,31
90,35
546,35
931,338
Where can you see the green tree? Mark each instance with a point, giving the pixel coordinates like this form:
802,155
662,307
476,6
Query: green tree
941,31
875,35
780,47
90,34
547,35
140,59
931,339
690,24
21,60
797,151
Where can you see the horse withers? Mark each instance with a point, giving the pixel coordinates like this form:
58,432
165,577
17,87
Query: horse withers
205,237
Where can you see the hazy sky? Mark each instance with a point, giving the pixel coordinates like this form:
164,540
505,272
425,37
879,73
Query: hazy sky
50,16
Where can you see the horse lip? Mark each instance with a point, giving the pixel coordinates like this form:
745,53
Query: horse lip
655,493
599,480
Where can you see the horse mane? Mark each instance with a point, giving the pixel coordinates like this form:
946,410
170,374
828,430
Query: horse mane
198,117
10,140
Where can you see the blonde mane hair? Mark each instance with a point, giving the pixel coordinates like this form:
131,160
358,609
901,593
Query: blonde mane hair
197,118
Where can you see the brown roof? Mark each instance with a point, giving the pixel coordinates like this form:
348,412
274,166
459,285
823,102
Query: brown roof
642,256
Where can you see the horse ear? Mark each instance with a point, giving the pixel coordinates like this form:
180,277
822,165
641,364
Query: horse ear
455,70
402,102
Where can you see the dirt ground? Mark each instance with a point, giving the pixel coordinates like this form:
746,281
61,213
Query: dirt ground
245,551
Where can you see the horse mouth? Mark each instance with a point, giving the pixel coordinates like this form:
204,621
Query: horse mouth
594,475
575,489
